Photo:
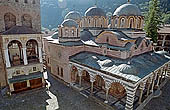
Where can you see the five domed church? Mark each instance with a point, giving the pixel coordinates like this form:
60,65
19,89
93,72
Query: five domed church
95,55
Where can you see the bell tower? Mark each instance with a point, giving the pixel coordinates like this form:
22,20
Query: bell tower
20,13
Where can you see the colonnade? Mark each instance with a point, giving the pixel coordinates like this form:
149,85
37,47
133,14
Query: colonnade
153,81
6,53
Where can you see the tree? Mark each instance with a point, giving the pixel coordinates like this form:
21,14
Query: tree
153,20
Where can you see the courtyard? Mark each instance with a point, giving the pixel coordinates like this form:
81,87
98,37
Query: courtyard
62,97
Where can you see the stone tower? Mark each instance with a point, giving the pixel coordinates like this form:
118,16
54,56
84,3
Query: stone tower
20,13
21,44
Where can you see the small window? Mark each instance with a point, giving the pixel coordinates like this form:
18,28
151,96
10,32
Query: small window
48,61
18,72
33,2
107,40
16,0
34,68
25,1
58,70
61,72
72,32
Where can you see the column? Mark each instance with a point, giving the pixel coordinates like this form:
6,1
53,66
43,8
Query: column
150,82
142,87
8,64
25,55
159,77
162,72
163,42
107,87
131,91
153,82
40,54
28,83
80,75
92,80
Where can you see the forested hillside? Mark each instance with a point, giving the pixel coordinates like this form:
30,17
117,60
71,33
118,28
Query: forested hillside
53,11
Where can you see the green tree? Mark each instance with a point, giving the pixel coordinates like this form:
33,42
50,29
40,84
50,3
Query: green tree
153,20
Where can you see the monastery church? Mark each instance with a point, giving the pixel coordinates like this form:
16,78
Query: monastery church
108,58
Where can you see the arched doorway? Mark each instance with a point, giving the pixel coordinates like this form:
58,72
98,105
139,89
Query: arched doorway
10,20
117,90
15,53
32,51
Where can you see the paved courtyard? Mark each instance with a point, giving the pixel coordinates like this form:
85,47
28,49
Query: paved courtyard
61,97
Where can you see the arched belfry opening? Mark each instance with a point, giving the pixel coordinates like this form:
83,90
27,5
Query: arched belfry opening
26,20
32,51
10,20
15,53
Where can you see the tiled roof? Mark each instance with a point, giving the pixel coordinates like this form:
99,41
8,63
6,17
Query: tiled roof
20,30
22,78
132,69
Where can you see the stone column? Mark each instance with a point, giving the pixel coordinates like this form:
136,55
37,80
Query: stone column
25,55
8,64
11,87
92,80
131,91
159,77
80,76
163,42
153,82
142,88
40,54
150,82
28,83
162,74
107,87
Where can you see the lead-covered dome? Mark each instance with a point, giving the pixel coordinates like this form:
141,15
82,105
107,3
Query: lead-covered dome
128,10
86,35
94,11
69,23
74,15
127,69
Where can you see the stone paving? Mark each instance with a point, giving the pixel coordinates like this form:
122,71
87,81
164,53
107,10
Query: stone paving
61,97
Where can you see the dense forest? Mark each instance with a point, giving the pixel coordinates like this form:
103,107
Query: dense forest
53,11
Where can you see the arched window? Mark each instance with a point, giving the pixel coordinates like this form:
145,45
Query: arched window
32,51
139,23
116,22
66,33
15,53
10,20
122,23
131,21
72,32
26,20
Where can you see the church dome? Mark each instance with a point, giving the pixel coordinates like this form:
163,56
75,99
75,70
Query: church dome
94,11
127,69
74,15
69,23
86,35
128,10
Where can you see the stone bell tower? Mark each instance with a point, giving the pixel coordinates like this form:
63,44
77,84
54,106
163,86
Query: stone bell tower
20,13
21,44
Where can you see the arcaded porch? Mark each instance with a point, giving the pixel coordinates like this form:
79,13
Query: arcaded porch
121,92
